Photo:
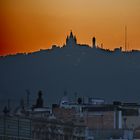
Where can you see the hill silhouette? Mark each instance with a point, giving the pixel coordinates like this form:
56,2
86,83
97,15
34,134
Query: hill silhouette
89,71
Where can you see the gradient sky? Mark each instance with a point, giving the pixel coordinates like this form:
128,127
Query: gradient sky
30,25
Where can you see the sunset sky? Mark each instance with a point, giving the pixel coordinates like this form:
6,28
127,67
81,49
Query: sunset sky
31,25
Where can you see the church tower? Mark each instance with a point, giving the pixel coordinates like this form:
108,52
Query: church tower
71,40
39,101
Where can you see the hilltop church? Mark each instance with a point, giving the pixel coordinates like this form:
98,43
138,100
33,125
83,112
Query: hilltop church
71,41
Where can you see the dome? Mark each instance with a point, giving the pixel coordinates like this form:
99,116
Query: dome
64,101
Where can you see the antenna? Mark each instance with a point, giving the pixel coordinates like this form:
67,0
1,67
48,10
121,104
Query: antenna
9,108
75,96
28,94
125,38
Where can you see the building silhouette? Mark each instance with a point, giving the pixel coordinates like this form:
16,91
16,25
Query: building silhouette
71,40
93,42
39,101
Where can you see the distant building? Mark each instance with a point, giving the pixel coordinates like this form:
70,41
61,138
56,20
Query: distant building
131,115
118,50
71,40
64,101
90,119
94,114
55,129
38,110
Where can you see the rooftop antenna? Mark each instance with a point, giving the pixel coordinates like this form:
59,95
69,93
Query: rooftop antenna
28,94
125,38
75,96
9,108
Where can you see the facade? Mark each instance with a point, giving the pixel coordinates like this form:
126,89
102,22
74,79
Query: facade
15,128
131,115
53,129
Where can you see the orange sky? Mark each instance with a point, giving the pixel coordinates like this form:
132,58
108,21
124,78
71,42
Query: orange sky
30,25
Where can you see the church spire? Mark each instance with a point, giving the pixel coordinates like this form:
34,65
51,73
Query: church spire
71,34
71,40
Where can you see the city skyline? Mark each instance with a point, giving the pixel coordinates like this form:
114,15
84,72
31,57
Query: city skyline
31,26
